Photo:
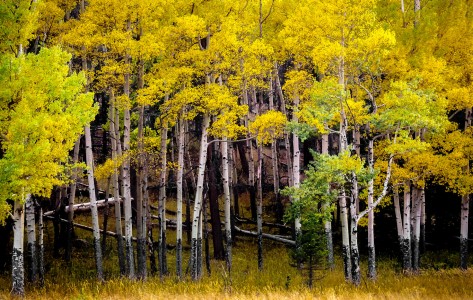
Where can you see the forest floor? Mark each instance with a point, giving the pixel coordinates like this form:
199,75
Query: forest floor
278,280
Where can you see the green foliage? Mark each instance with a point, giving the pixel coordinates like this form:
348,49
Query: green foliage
43,112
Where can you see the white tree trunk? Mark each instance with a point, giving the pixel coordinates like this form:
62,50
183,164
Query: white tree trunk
465,209
32,262
162,205
397,211
179,183
40,247
355,254
371,245
93,203
114,137
325,206
196,242
416,228
406,239
18,271
296,168
259,212
72,196
227,197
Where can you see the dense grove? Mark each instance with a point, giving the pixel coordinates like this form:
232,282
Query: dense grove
285,121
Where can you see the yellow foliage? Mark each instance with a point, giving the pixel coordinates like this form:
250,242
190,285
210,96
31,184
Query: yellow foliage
268,126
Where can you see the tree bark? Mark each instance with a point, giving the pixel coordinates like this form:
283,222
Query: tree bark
179,181
217,235
227,197
32,262
18,271
259,216
406,239
115,184
162,251
371,245
328,223
465,208
196,243
93,203
72,195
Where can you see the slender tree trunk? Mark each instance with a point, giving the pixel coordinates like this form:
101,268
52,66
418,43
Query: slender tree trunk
105,217
274,161
116,189
180,166
227,197
371,245
217,235
162,251
465,208
397,211
205,228
416,228
93,203
72,195
355,255
126,176
140,209
286,134
406,239
259,219
422,225
296,164
32,261
328,223
18,271
40,247
196,243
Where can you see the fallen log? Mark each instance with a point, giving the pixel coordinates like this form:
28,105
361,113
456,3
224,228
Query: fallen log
266,235
268,224
110,233
82,207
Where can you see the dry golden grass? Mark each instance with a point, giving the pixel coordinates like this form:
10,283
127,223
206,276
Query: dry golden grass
278,280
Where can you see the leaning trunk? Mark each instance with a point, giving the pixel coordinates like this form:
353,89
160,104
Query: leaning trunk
196,242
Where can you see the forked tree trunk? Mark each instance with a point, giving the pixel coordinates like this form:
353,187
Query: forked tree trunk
18,271
93,203
196,244
32,262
